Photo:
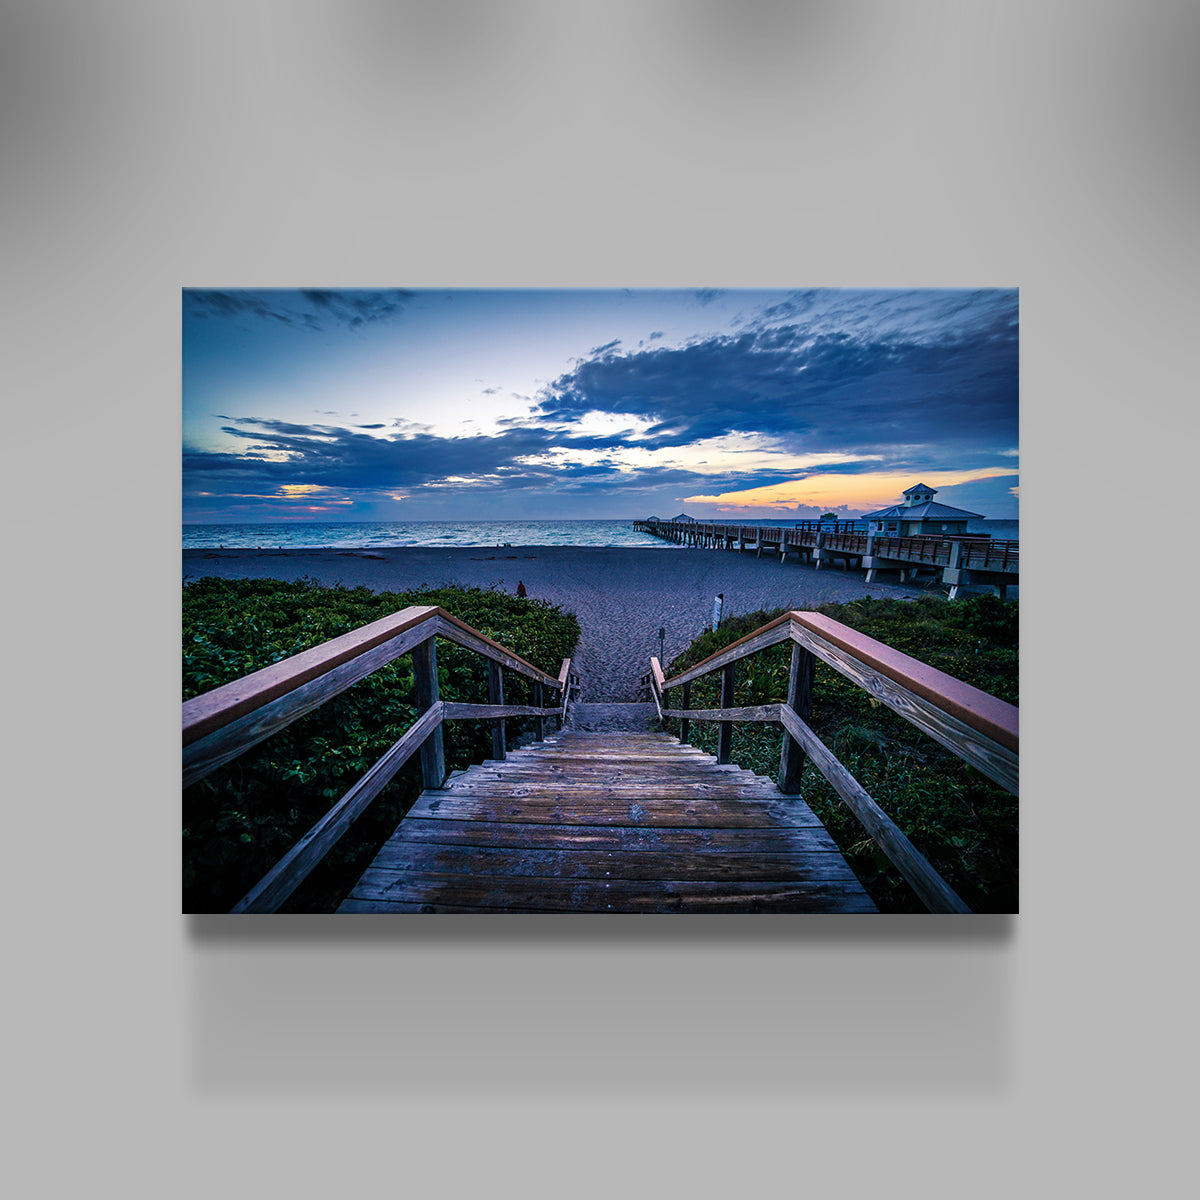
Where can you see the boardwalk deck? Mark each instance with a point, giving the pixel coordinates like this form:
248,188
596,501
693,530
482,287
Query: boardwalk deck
617,821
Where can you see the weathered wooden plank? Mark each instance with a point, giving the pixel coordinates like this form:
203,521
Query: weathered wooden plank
935,892
806,831
575,895
407,860
757,712
557,774
204,714
712,811
552,800
477,712
599,772
934,716
293,868
227,740
652,783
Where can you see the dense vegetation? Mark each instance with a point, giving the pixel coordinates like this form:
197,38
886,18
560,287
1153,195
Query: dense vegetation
240,819
963,823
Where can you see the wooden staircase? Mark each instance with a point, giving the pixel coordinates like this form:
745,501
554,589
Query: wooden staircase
619,820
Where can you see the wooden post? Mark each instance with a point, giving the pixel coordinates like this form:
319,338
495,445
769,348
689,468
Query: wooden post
433,755
685,701
725,733
496,696
954,575
799,698
539,723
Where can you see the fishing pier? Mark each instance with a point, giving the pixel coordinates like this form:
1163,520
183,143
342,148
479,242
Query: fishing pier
962,559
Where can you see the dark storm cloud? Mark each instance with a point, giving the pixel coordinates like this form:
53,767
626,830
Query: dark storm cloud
284,452
309,308
707,295
824,391
331,457
357,308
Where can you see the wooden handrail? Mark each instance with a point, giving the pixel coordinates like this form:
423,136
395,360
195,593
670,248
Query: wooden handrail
454,630
935,892
976,709
566,680
225,722
774,631
978,727
222,705
655,680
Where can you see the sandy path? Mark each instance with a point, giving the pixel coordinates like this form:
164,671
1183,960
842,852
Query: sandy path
621,596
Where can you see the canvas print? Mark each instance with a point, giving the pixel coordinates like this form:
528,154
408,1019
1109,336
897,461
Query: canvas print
692,600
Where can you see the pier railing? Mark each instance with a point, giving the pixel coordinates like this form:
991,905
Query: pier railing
978,727
992,560
223,723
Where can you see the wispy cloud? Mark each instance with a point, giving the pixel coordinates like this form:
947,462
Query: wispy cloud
310,308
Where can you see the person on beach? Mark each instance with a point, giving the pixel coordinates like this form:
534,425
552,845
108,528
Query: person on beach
521,589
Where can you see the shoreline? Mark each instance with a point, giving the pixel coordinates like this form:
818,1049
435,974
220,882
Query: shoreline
621,595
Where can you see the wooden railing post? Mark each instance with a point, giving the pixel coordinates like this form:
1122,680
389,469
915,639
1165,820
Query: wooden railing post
539,723
433,756
799,698
725,734
496,696
685,701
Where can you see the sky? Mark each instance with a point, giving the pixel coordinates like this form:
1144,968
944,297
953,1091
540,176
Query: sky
536,404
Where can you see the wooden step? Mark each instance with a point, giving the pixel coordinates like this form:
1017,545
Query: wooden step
608,821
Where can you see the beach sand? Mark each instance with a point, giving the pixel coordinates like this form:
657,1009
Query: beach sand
621,596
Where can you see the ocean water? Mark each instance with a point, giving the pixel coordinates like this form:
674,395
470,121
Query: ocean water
360,535
366,534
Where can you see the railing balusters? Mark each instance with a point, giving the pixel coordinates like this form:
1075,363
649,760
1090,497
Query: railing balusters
496,696
433,756
725,734
799,698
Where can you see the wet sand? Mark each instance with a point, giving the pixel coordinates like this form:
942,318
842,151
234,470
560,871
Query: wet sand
621,596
